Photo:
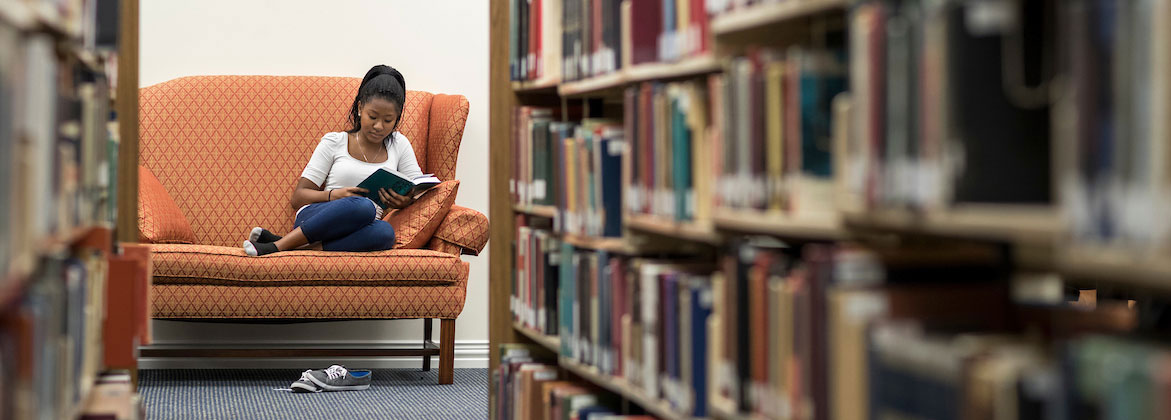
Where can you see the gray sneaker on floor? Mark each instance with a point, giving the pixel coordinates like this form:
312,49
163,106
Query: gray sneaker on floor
337,378
304,384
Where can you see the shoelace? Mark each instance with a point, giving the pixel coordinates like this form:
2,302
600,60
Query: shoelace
335,371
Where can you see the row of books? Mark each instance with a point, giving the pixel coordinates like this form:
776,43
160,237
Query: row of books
777,129
1115,113
57,148
946,110
531,387
667,125
917,373
575,167
52,337
566,40
644,320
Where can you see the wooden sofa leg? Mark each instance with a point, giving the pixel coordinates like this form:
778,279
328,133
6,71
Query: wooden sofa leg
446,351
426,339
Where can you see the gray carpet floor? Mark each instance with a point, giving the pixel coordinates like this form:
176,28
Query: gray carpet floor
250,394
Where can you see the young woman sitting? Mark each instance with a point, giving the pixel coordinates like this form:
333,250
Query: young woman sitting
330,208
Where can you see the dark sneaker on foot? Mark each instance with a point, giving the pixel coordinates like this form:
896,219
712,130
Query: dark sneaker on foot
304,384
337,378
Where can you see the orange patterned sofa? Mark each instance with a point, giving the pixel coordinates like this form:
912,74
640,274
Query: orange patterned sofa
229,149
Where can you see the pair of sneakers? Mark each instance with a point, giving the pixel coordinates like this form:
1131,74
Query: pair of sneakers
334,378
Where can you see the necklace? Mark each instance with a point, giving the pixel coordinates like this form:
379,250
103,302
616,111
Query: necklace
362,149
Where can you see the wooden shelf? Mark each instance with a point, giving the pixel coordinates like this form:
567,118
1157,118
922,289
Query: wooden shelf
1116,266
620,386
615,245
673,229
534,86
725,412
643,72
22,265
779,224
593,84
686,67
539,211
551,342
1013,224
764,14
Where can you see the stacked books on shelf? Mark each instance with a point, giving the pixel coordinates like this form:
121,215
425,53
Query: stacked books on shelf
58,166
532,387
535,39
670,165
568,40
56,148
667,30
575,167
535,288
1114,115
791,324
777,127
52,337
946,111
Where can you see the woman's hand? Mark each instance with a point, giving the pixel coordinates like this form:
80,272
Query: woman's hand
346,192
393,200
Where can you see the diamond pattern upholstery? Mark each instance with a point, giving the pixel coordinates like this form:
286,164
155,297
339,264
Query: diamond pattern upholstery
414,225
159,219
229,149
465,228
210,264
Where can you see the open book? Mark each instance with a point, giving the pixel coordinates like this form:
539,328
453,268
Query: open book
397,182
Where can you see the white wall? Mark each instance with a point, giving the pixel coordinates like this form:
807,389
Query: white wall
440,46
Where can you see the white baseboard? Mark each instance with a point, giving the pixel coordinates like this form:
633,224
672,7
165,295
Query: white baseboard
468,354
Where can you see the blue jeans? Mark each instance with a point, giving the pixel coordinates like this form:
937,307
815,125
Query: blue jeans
346,224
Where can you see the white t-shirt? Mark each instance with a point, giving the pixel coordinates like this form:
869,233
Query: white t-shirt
332,166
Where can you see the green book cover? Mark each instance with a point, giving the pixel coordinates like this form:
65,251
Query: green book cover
397,182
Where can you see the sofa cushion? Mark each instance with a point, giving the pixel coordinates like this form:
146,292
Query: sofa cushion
465,227
209,264
202,301
159,218
414,225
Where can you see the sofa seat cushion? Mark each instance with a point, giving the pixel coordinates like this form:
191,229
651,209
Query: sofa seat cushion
217,265
207,301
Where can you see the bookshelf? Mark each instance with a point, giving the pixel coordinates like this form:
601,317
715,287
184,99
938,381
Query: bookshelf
771,13
821,227
1117,268
1016,225
673,229
618,386
550,342
61,222
690,66
547,212
827,275
535,86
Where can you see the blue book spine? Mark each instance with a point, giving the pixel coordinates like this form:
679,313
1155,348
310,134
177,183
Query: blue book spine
818,88
681,145
670,321
701,309
611,168
565,307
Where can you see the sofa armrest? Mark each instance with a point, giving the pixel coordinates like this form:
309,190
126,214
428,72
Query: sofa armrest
463,229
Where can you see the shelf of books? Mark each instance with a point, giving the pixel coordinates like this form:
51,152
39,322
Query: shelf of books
826,222
731,17
59,263
547,212
688,231
1017,225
